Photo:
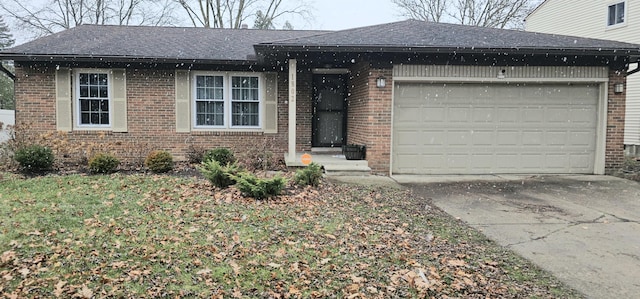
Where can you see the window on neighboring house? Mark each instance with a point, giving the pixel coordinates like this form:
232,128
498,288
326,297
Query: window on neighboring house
616,14
227,101
94,105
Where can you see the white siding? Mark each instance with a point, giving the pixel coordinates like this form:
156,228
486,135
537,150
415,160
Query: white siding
632,117
589,19
585,19
7,118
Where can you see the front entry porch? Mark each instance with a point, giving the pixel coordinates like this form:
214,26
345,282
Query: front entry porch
333,163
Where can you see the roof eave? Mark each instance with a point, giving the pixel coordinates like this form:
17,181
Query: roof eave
22,57
269,48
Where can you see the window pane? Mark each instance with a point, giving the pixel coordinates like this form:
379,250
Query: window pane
84,79
84,91
84,118
253,82
103,92
104,106
102,79
218,94
93,79
84,105
245,114
235,94
235,82
93,101
93,91
219,81
209,113
612,14
620,18
104,118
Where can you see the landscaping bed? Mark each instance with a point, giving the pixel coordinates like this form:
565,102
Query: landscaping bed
141,235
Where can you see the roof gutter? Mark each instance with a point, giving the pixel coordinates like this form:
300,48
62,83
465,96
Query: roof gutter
7,72
266,48
70,58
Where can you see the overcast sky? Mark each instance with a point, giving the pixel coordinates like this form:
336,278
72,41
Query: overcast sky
327,15
344,14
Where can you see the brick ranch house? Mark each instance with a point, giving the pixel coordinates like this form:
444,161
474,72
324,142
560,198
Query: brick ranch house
425,98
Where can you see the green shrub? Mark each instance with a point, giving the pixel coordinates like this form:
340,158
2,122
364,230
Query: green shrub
223,155
252,186
219,176
195,154
103,163
159,161
34,158
309,175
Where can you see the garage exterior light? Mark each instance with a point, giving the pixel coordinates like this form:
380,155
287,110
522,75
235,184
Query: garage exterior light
381,82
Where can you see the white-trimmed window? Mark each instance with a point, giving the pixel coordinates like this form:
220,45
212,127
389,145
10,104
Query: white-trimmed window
616,14
93,98
227,100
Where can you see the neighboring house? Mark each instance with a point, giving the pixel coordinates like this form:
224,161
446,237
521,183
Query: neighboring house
7,120
425,98
612,20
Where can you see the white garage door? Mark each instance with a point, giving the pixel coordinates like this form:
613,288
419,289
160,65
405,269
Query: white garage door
494,128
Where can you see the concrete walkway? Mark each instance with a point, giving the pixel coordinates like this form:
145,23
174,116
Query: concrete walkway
583,229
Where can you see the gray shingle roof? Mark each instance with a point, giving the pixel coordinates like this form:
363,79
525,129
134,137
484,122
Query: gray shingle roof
204,45
413,35
201,44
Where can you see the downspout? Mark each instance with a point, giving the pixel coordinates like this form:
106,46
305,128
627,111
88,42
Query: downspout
7,72
629,73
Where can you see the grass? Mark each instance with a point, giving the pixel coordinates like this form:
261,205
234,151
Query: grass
139,236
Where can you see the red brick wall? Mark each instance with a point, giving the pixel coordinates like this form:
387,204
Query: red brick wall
151,117
369,115
304,109
614,155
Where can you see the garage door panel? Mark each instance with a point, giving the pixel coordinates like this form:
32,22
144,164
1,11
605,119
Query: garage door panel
580,139
533,115
508,114
533,138
494,128
581,116
508,138
433,114
458,114
483,138
557,138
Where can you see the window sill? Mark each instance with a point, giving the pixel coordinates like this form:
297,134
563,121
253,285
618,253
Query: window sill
616,26
226,132
84,131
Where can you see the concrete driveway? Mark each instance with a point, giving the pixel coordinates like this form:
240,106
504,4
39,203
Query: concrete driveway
583,229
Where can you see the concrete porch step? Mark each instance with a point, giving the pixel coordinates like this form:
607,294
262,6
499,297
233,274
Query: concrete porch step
334,164
346,170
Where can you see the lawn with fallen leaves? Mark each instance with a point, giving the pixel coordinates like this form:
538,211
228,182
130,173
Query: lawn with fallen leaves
134,236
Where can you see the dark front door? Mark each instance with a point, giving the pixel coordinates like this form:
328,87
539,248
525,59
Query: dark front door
329,110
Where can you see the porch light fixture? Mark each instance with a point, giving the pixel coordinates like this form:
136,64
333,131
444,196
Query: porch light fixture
618,88
381,82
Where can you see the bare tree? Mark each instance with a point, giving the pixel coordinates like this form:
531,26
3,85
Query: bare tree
56,15
486,13
235,13
427,10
